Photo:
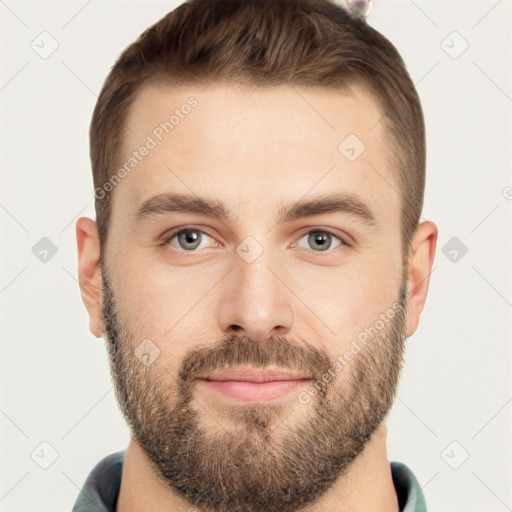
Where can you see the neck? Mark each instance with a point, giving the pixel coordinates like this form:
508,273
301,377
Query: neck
144,491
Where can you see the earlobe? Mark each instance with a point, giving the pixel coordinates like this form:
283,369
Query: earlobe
423,249
89,272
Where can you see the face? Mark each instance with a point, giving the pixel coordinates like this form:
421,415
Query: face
291,262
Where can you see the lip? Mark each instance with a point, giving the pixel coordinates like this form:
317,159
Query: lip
252,374
248,384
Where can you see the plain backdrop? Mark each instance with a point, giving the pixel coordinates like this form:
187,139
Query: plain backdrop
451,423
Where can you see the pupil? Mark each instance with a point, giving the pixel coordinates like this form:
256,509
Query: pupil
189,237
320,239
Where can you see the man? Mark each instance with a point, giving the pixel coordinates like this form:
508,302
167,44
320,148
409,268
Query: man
257,261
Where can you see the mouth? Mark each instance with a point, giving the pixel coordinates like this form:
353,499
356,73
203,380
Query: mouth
249,383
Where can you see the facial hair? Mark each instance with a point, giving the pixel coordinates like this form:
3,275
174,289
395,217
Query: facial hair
257,459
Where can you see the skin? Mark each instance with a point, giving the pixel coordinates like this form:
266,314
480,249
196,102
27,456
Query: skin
254,150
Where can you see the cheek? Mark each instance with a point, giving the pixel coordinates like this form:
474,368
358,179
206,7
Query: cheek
168,307
349,299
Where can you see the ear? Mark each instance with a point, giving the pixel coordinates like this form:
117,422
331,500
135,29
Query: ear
421,259
89,272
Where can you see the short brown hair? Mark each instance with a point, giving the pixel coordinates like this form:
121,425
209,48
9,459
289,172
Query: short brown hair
264,43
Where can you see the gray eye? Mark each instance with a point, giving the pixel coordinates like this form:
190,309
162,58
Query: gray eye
319,240
188,239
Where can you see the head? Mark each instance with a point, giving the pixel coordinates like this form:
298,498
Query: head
259,171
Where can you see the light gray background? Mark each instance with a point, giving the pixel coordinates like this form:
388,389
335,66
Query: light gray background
456,386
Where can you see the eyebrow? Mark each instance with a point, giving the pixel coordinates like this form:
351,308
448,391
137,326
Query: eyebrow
349,204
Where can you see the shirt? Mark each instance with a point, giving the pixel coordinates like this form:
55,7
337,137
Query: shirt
101,488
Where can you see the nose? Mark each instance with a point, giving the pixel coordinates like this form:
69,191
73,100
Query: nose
255,301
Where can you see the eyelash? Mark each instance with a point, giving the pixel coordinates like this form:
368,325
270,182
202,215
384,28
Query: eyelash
165,243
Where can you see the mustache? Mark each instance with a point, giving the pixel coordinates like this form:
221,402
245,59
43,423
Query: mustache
235,350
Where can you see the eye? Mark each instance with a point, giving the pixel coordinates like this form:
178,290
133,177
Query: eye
187,240
193,239
320,240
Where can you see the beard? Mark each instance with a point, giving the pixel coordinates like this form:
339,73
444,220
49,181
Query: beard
262,456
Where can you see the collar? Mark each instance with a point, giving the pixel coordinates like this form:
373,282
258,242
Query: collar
101,487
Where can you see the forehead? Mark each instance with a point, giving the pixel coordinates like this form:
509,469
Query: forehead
256,147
